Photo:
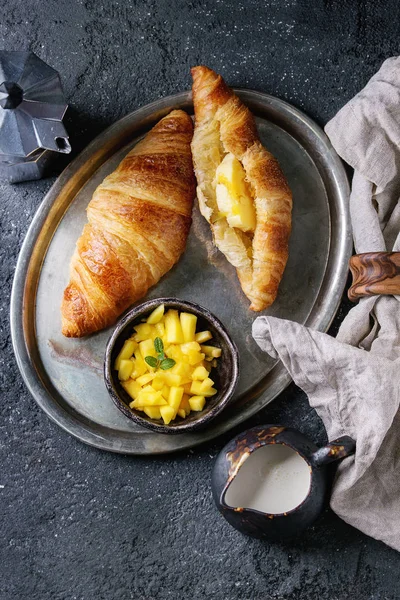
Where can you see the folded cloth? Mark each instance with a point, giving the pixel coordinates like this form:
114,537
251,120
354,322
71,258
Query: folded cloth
353,381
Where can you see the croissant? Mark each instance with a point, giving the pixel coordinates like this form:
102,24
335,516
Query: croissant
241,189
139,220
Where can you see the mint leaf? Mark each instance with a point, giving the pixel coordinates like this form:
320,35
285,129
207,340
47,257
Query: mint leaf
153,362
167,363
158,345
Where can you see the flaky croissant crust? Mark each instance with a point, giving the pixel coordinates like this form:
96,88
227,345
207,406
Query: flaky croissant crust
224,124
139,219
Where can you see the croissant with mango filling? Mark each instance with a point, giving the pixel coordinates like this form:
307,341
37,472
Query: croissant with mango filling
242,191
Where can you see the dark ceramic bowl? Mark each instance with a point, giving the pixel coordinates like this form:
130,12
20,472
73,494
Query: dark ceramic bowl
225,374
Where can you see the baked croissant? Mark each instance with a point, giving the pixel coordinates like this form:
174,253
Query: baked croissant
242,191
139,220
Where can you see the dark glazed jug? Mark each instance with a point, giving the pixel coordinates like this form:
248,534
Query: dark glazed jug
300,476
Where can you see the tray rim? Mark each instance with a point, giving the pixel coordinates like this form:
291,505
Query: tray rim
80,426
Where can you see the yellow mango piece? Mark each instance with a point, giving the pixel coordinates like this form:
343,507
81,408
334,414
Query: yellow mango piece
126,352
156,315
165,392
197,389
186,387
139,366
202,336
197,402
199,373
188,324
132,388
143,332
214,363
152,411
184,405
206,384
182,369
233,194
167,413
181,413
175,397
160,329
195,357
190,347
148,399
171,379
173,329
125,369
148,388
158,382
210,392
174,351
147,348
146,378
212,351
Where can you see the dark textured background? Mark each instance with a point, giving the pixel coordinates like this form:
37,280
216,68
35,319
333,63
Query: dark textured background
80,524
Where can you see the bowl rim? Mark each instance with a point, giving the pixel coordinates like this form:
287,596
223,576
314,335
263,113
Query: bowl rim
136,312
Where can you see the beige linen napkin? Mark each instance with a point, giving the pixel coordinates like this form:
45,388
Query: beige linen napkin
354,381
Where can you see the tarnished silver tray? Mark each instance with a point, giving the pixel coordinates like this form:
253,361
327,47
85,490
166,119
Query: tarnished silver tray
65,376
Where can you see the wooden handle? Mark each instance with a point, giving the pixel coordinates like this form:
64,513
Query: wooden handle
374,273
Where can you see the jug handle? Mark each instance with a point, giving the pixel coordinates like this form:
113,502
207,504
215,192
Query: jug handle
336,450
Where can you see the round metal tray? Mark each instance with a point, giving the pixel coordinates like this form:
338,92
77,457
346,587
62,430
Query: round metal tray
65,376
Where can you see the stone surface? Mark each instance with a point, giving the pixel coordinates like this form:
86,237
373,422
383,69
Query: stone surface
80,524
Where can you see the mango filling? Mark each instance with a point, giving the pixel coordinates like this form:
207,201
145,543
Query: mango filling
234,199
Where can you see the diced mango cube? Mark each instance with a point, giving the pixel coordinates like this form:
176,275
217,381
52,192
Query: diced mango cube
173,329
197,389
174,351
167,413
143,332
197,402
181,413
210,392
188,324
182,369
126,367
206,384
200,373
212,351
195,357
171,379
190,347
148,388
148,399
186,387
202,336
146,378
156,315
152,411
126,352
132,388
165,392
147,348
139,365
184,405
158,382
175,397
160,329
